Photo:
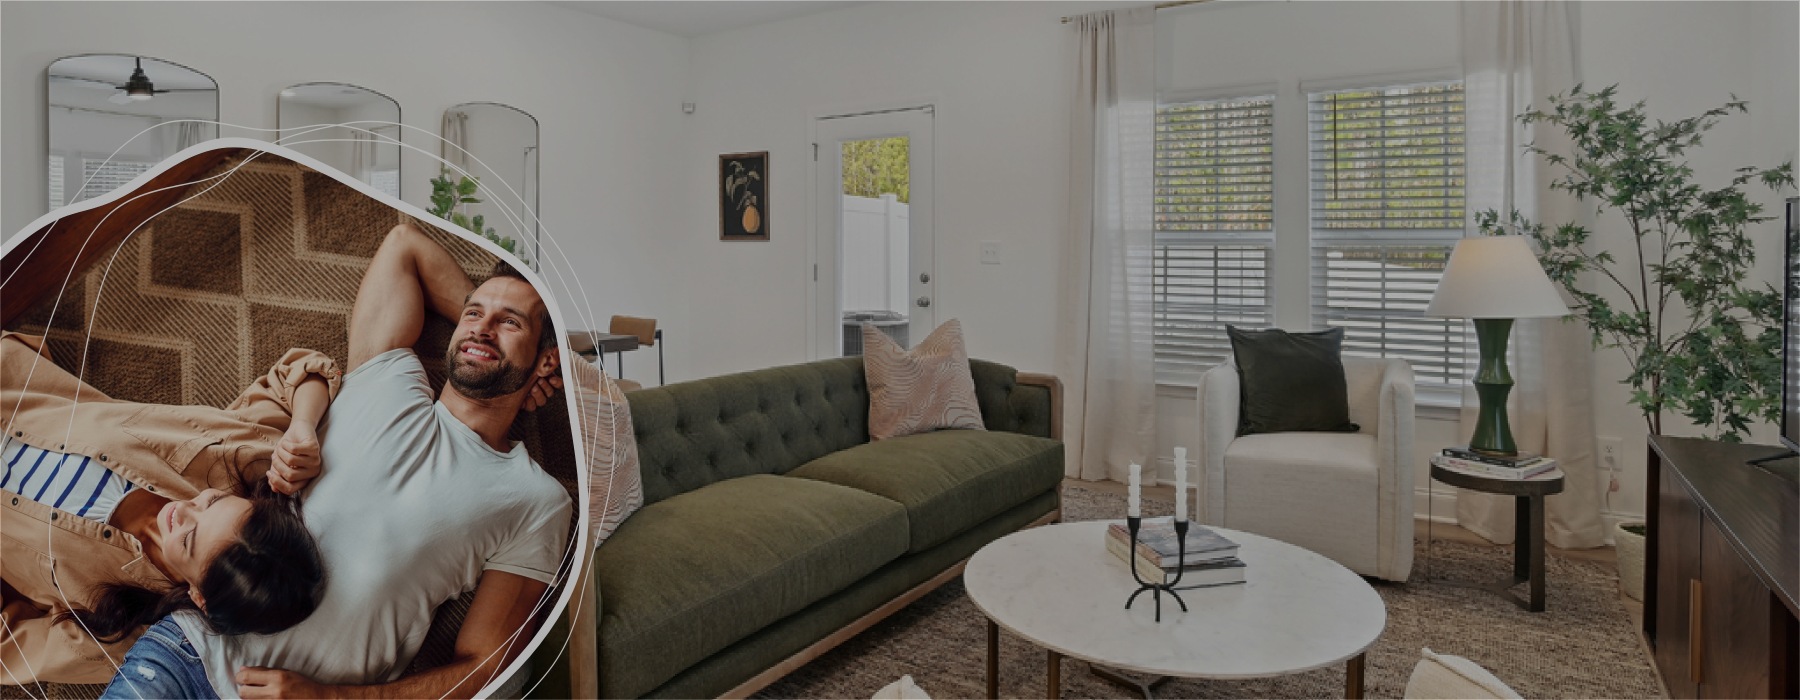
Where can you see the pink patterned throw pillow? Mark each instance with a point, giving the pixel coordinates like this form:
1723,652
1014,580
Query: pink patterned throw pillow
920,390
615,486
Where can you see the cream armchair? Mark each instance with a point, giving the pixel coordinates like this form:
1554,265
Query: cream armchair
1347,496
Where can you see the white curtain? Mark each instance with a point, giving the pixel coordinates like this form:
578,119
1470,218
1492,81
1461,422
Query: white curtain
455,145
1105,356
179,135
362,154
1515,55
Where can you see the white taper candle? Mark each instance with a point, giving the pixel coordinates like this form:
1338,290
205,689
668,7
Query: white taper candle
1181,494
1131,505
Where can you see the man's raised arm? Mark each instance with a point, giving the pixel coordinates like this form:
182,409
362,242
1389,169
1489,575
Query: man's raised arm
408,272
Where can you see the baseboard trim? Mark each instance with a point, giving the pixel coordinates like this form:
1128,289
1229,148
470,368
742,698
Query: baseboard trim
818,648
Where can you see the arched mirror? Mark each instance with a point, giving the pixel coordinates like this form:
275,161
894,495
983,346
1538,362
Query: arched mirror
138,106
499,145
367,147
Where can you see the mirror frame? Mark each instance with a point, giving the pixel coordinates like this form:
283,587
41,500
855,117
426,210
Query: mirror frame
48,107
537,195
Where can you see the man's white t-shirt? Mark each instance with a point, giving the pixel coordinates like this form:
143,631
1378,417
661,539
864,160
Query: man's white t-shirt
409,511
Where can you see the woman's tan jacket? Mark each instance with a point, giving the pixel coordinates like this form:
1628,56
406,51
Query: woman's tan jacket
53,560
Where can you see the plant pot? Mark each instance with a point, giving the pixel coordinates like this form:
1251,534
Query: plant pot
1629,547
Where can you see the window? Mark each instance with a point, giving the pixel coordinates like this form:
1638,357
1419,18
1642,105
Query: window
1215,229
1387,208
100,176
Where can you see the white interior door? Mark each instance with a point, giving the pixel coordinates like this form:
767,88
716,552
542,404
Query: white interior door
873,229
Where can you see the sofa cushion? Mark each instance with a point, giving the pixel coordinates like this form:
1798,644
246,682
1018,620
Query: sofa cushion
1279,483
948,480
693,573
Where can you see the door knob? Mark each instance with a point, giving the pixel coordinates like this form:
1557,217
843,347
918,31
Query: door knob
923,302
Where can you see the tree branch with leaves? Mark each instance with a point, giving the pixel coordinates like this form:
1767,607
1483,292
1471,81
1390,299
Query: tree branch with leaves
1703,341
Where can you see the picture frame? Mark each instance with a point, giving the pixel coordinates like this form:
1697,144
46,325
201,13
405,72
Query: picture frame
743,184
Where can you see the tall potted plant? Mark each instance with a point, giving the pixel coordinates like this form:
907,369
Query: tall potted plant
1703,341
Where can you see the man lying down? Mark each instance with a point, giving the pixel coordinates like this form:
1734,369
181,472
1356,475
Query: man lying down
421,498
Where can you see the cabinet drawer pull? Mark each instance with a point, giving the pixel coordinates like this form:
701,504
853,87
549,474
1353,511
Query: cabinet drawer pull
1694,631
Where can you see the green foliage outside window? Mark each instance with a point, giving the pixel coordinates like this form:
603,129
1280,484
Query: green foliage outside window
875,167
1702,340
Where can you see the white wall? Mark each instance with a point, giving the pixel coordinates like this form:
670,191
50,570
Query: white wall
607,95
998,74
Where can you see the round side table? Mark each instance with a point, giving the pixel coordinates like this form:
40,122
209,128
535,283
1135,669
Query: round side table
1528,526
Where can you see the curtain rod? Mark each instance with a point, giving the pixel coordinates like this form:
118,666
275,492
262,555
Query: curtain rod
1159,6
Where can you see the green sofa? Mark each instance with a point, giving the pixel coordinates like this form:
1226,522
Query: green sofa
773,529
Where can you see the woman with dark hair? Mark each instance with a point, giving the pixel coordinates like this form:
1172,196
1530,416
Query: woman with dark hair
114,514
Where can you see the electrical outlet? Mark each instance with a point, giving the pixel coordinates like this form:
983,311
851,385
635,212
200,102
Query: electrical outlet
990,252
1609,453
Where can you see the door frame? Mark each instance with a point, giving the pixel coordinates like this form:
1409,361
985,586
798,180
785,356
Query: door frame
817,345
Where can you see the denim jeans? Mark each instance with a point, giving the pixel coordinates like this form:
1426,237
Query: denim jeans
162,664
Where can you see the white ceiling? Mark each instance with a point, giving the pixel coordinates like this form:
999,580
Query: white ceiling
693,18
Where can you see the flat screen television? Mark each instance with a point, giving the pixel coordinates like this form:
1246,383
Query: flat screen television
1790,333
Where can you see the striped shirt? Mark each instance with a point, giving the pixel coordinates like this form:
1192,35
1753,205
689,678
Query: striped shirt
70,483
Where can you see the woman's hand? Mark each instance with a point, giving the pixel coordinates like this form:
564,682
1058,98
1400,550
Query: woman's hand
296,460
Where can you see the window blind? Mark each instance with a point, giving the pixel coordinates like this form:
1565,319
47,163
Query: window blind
1215,227
1387,206
56,180
100,176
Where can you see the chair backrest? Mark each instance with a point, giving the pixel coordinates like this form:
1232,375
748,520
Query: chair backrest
643,328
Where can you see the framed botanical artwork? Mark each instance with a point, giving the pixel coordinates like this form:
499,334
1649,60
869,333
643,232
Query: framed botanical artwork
744,196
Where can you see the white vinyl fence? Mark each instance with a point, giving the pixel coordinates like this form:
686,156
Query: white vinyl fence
875,247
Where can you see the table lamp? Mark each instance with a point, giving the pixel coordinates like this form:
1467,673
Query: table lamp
1493,280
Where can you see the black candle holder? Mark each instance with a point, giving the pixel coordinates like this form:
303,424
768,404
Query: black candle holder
1158,589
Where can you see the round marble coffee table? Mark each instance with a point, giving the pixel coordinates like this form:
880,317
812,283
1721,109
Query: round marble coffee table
1058,587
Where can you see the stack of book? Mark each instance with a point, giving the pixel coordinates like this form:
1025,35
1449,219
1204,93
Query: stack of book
1211,560
1521,466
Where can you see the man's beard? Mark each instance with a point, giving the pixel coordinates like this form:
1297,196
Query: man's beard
499,379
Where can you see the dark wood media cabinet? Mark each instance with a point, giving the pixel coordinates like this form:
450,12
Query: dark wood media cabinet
1722,571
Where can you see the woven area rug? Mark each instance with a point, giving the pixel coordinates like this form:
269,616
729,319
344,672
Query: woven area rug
1582,646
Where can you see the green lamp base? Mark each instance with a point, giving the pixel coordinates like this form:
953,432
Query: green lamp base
1493,434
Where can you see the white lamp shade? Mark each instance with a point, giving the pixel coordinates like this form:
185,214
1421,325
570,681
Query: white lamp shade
1495,277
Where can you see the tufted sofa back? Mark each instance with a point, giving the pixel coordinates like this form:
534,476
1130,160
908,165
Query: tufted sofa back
770,421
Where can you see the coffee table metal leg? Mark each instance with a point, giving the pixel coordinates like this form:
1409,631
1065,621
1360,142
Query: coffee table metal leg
1055,680
1145,688
993,660
1353,678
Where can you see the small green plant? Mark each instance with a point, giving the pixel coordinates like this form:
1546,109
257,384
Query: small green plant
448,197
1702,340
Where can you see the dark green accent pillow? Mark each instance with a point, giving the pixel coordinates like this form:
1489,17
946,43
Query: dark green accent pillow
1291,382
